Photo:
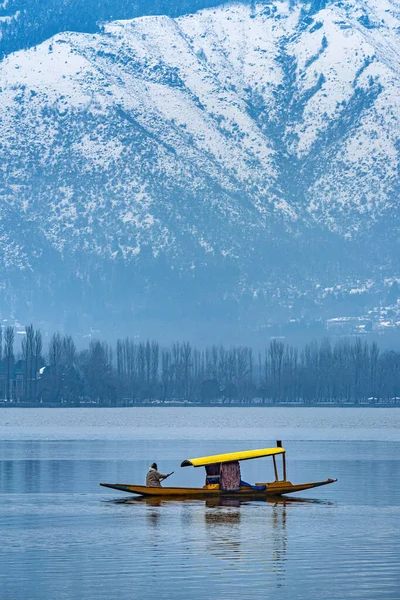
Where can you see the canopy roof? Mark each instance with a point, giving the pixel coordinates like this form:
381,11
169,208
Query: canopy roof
231,456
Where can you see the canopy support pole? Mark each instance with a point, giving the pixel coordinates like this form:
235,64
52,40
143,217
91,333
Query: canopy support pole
279,445
275,468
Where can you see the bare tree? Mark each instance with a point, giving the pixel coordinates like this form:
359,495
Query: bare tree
38,358
55,364
165,373
28,358
276,351
155,356
99,372
9,358
186,353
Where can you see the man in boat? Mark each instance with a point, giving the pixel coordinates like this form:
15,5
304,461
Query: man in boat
154,477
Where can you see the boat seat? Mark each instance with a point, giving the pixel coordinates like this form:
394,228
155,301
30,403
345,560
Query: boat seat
212,480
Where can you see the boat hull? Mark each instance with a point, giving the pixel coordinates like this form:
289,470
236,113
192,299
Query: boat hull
277,488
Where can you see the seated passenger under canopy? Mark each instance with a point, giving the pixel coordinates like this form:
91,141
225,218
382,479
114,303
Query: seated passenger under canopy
223,470
227,477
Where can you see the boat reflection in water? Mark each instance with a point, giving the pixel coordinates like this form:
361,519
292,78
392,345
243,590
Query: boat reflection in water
220,532
216,502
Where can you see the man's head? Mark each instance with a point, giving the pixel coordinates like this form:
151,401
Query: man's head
154,466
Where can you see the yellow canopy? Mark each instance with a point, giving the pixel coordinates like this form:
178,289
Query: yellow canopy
232,456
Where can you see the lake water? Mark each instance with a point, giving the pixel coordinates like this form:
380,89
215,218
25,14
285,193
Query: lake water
64,537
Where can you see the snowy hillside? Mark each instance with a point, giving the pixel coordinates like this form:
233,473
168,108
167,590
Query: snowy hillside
250,151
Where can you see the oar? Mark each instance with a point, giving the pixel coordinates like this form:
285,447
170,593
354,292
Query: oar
169,475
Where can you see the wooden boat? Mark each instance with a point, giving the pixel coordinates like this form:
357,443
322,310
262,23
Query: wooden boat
223,478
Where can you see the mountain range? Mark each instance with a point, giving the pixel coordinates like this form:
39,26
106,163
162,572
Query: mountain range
228,171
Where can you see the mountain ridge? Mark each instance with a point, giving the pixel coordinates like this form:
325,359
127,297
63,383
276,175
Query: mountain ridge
254,149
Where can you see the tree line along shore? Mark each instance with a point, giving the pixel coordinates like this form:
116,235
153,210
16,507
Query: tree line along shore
347,371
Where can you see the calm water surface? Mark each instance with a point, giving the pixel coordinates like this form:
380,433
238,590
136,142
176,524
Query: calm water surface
64,537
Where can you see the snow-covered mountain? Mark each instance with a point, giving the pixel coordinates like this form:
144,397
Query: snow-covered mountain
238,164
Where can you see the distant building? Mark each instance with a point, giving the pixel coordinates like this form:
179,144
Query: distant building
16,380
